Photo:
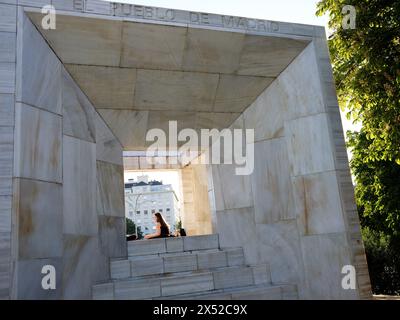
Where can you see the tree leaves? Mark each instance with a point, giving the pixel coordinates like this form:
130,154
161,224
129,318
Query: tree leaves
366,65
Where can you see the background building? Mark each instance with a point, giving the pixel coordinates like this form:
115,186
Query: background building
143,198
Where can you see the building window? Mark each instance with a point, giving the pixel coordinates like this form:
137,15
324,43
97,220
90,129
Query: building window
160,210
153,211
146,211
168,209
138,212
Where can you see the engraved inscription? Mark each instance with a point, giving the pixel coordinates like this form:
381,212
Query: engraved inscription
135,11
78,5
163,14
197,17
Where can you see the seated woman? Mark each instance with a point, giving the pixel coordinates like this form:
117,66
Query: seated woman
162,228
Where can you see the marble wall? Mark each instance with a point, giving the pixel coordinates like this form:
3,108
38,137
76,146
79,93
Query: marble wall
68,179
8,36
296,210
195,212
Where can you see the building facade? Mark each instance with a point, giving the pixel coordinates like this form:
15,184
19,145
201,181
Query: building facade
144,198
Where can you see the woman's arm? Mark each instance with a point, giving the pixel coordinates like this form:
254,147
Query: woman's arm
156,234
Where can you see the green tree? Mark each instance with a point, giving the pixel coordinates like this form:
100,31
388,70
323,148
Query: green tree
131,229
366,65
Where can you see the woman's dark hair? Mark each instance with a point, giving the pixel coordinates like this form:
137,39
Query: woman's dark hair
161,220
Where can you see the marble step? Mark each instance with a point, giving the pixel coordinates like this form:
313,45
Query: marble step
162,263
255,292
182,283
171,245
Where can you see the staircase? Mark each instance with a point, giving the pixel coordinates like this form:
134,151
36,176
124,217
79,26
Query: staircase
194,268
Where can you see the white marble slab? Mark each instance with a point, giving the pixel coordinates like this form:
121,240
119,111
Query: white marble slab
38,144
6,110
271,183
83,265
236,93
233,277
108,148
146,247
324,257
151,265
215,120
266,115
7,77
120,269
300,85
5,264
5,213
78,112
129,126
29,286
112,237
79,187
8,16
63,5
33,3
232,233
202,242
40,78
6,151
7,46
261,274
212,51
237,185
106,87
110,184
39,219
217,188
268,56
266,293
180,263
318,204
174,244
137,289
187,284
103,291
235,256
281,241
173,90
152,46
99,43
309,145
212,260
5,186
